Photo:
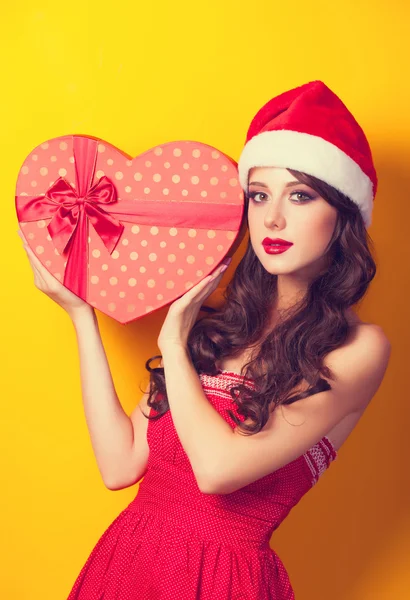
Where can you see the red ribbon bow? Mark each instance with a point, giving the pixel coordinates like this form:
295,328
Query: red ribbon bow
67,206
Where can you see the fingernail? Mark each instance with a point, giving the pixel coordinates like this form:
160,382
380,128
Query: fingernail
226,260
223,268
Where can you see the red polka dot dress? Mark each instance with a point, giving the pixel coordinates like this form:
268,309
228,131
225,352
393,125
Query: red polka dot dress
173,542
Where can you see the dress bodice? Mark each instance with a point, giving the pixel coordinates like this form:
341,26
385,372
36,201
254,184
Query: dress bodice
259,507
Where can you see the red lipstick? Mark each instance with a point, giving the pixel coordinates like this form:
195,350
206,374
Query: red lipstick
276,245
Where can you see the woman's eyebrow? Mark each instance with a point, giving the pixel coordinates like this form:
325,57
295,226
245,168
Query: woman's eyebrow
289,184
258,183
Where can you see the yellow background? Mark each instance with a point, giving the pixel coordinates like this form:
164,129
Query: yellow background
139,74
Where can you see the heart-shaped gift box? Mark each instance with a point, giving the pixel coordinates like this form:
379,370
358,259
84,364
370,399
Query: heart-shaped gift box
129,235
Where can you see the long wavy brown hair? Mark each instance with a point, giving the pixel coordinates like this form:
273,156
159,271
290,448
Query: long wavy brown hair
292,351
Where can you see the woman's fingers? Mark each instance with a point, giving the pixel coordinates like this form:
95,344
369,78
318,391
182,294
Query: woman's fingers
49,284
33,258
39,270
204,288
39,280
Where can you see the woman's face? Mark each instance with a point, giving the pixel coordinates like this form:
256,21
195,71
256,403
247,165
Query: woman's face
282,207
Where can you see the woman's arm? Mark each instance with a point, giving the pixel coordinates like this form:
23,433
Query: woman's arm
119,442
111,429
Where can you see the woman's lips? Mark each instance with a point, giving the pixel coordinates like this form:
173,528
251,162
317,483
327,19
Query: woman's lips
275,249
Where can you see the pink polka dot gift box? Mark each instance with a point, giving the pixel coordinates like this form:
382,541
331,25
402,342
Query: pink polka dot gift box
129,235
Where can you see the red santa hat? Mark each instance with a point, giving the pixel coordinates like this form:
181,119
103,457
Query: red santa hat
309,129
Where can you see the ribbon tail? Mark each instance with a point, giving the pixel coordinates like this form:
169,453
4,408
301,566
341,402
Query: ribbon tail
107,226
63,226
76,271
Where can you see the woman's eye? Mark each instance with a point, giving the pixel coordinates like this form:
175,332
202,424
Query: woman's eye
305,198
254,194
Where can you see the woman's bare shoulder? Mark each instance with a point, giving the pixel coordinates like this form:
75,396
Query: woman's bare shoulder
360,327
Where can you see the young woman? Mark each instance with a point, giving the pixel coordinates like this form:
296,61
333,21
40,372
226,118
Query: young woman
251,404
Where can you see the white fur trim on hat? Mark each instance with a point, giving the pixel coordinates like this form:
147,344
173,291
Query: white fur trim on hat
312,155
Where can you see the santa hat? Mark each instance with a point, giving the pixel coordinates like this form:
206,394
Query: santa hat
309,129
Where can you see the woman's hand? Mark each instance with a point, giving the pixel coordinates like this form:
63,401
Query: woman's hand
182,313
48,284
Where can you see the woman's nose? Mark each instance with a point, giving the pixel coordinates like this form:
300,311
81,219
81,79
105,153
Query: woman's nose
273,215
